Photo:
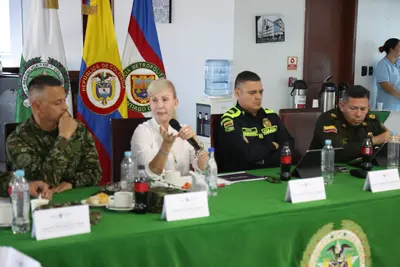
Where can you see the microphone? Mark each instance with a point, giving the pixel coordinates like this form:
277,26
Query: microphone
175,124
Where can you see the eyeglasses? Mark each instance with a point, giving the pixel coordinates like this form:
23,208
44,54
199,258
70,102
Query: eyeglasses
273,180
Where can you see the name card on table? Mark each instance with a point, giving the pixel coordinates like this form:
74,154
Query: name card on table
185,206
305,190
59,222
384,180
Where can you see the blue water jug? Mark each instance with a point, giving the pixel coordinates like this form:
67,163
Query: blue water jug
218,77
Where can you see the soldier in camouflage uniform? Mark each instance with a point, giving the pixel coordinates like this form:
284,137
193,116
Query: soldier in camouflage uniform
348,125
51,146
250,137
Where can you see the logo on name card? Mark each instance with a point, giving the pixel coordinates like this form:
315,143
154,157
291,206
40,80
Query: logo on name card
138,77
345,247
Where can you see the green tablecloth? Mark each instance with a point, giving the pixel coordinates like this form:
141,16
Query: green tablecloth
250,225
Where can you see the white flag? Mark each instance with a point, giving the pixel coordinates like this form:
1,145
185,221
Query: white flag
43,53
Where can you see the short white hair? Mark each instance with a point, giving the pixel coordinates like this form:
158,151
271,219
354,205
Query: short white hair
160,84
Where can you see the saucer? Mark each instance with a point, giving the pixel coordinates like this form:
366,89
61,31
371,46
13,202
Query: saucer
84,202
110,207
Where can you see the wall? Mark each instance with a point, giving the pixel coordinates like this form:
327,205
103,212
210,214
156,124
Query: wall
16,35
269,59
377,22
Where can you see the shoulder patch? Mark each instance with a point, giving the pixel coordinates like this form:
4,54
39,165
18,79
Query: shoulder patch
372,116
269,111
330,129
228,125
23,160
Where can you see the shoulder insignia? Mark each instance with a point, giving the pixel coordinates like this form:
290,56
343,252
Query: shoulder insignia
233,112
228,125
344,125
330,129
333,115
269,111
372,116
364,124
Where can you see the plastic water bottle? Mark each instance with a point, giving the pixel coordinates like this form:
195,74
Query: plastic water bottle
127,172
217,77
20,203
211,173
393,152
328,162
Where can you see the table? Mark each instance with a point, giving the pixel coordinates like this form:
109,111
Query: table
250,225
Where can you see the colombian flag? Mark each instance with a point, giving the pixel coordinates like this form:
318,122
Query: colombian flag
102,84
142,59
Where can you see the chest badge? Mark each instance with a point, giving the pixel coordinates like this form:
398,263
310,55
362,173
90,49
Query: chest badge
266,122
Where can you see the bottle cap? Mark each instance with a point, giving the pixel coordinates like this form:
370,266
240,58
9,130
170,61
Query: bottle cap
328,142
128,154
20,173
211,149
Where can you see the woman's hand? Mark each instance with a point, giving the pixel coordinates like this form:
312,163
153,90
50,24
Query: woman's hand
168,138
186,132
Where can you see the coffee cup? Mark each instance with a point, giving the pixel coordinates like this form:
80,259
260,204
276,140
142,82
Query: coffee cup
174,177
5,213
122,199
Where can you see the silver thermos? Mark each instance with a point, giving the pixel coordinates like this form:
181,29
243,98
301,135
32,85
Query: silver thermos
342,88
328,95
299,94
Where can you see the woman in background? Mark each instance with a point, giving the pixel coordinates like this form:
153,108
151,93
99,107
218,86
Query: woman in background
388,75
159,147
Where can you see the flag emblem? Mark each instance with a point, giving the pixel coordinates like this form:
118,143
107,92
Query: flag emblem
139,85
102,88
35,67
138,77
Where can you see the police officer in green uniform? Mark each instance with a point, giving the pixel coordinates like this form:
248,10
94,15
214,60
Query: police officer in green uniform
348,125
250,137
51,146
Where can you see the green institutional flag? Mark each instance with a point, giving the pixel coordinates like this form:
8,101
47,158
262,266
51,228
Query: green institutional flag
43,54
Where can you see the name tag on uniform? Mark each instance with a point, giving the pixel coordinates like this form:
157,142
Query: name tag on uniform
305,190
384,180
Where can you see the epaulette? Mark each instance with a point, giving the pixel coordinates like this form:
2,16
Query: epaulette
233,112
269,111
371,116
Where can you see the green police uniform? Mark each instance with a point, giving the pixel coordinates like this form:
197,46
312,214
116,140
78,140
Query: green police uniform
333,125
53,159
235,154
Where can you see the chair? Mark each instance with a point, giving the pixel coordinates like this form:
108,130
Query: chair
8,129
300,123
215,122
121,135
